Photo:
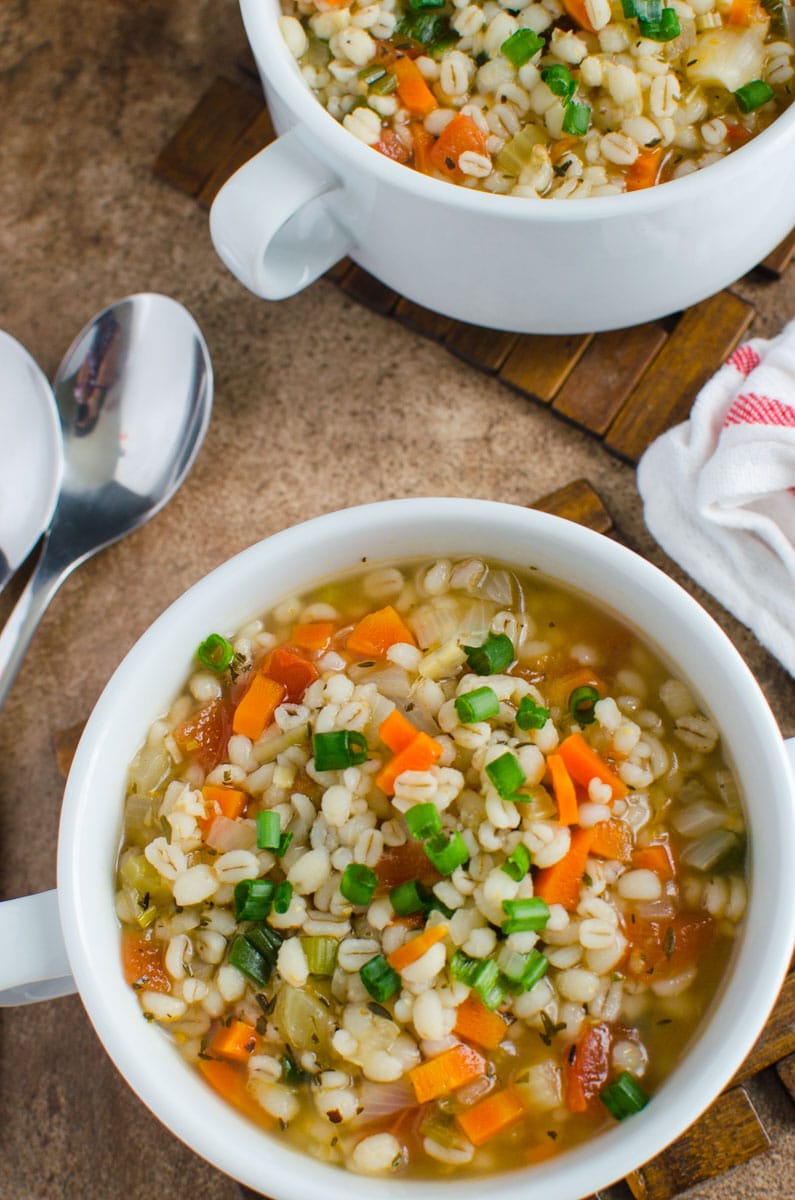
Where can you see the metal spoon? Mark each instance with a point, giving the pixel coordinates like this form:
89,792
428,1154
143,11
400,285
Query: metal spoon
33,464
134,394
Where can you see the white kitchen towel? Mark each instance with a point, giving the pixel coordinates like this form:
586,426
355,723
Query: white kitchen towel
719,490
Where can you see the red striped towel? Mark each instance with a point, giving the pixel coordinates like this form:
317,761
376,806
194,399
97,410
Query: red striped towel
719,490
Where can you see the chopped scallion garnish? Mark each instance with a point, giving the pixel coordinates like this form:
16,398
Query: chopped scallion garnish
358,883
520,47
663,30
215,652
559,80
576,118
447,854
464,968
524,916
423,821
338,749
408,898
530,715
269,830
493,656
478,705
517,864
284,842
282,897
582,702
253,899
624,1097
249,961
419,5
506,774
381,980
752,95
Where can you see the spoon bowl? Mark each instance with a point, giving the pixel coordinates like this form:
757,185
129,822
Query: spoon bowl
134,395
31,474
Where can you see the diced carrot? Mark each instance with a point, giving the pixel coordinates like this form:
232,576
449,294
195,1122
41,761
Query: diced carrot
586,1070
560,883
420,754
238,1040
447,1071
558,148
396,731
563,787
376,632
584,764
230,802
737,135
612,839
412,89
657,857
292,670
644,171
229,1080
399,864
142,963
409,952
313,635
578,12
422,142
390,145
485,1120
476,1023
457,137
255,711
743,12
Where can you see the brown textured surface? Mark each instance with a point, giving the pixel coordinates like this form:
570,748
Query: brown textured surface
319,404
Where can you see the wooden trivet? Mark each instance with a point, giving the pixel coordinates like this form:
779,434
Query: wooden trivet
730,1131
625,387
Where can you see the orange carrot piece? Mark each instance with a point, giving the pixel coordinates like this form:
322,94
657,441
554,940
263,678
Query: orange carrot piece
612,839
584,764
376,632
142,963
447,1071
578,12
743,12
420,754
645,169
459,136
476,1023
560,883
229,1080
237,1040
657,857
563,787
313,635
409,952
396,731
412,89
485,1120
255,711
292,670
230,802
422,142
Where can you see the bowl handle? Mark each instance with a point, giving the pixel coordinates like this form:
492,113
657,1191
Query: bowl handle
33,962
271,224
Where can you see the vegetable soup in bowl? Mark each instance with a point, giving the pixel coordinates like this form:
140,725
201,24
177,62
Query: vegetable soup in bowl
422,842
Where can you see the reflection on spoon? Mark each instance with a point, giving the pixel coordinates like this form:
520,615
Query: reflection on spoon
134,394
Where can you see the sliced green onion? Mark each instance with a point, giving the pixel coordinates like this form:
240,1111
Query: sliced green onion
520,47
648,10
381,980
253,898
338,749
517,864
535,969
493,656
664,30
385,85
249,961
321,954
506,774
266,940
424,27
369,74
490,984
582,703
628,8
284,842
576,118
439,48
559,80
419,5
292,1074
752,95
269,830
423,821
408,898
447,854
215,652
511,963
478,705
530,715
358,883
464,968
525,916
282,897
624,1097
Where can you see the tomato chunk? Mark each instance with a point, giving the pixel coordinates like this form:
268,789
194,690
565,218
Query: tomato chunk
205,735
587,1067
663,948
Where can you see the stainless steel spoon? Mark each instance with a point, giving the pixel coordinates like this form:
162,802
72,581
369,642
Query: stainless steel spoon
134,394
33,461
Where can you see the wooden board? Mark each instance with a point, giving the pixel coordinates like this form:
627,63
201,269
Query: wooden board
624,387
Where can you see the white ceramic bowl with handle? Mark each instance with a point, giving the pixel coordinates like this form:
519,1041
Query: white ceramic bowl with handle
532,266
34,963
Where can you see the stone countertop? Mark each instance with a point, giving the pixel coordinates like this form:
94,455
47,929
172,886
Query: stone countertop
319,404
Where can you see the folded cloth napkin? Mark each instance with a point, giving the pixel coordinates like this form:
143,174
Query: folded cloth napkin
719,490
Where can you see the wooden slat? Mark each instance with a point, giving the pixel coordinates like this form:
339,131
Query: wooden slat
777,1039
786,1073
369,291
207,136
577,501
258,134
247,63
611,366
484,348
705,336
337,273
779,259
422,320
539,365
728,1134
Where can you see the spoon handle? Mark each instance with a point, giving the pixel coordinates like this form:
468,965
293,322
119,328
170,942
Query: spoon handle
50,572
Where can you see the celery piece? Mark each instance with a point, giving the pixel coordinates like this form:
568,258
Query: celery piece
138,873
515,154
321,954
